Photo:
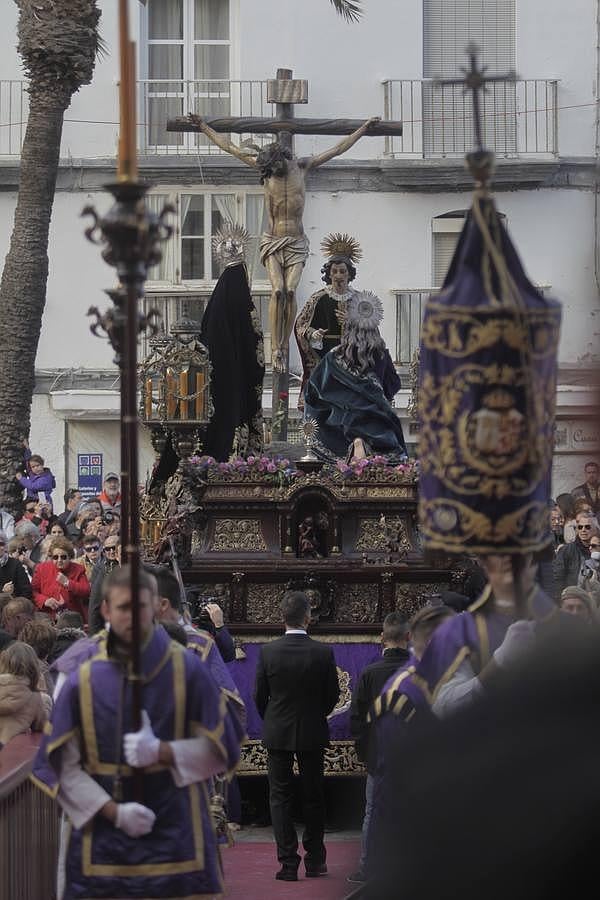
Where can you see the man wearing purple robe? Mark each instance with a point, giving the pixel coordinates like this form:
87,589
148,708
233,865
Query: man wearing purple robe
163,846
495,630
400,703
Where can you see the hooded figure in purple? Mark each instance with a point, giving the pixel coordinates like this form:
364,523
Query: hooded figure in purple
163,844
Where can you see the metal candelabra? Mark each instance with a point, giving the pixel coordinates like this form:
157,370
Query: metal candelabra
130,235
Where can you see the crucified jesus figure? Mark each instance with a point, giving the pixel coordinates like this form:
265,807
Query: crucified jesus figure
284,247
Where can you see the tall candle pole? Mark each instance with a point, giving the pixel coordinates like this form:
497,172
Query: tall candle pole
127,157
130,235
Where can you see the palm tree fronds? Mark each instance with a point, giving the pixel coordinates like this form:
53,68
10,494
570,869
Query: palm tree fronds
350,10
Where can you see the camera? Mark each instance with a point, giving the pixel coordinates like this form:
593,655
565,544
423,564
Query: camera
197,603
108,517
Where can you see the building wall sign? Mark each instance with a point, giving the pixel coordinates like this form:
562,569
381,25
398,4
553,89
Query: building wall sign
89,474
578,436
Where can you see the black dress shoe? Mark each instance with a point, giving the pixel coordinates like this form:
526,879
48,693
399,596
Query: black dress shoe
315,871
286,873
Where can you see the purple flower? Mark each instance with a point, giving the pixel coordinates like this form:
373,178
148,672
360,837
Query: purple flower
271,467
251,460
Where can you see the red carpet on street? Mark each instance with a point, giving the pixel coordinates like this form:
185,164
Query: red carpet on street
250,873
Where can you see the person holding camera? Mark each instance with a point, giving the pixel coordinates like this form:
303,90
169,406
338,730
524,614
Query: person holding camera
211,619
13,578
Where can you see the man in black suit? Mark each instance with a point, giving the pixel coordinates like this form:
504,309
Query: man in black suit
296,688
394,638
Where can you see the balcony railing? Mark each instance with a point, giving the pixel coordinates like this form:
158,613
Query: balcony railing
14,110
519,118
162,99
191,305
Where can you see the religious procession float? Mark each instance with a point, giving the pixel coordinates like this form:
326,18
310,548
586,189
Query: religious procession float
352,520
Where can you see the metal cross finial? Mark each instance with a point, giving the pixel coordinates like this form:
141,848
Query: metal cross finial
475,80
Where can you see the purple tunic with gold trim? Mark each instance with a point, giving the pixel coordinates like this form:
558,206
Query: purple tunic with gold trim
201,643
179,857
476,634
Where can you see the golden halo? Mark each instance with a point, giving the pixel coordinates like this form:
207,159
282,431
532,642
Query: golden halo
338,244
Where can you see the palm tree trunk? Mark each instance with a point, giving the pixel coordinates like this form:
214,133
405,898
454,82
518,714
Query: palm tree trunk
23,284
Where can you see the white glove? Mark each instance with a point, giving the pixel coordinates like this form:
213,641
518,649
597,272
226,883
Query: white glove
141,747
134,819
518,640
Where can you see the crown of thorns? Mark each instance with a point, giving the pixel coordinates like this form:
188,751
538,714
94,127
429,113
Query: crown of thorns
338,244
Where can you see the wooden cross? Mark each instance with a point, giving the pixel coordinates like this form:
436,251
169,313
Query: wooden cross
284,92
475,80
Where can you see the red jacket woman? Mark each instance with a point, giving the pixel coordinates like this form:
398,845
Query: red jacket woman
59,583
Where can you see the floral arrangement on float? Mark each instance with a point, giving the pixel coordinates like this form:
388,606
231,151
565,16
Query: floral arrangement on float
376,468
273,470
282,472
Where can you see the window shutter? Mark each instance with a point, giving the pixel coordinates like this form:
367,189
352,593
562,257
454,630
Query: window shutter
444,245
448,26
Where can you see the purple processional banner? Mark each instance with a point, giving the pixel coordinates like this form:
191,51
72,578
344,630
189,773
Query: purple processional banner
350,659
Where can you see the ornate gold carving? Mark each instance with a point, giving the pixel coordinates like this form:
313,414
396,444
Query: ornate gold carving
375,534
238,534
412,407
409,598
356,603
239,491
340,759
263,603
391,492
345,697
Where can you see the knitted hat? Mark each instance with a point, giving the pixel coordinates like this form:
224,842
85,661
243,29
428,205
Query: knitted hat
577,592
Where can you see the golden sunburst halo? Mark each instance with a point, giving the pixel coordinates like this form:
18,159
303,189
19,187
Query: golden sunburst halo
341,244
230,240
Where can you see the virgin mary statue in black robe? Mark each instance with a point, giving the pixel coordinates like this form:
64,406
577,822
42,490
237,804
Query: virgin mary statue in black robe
232,333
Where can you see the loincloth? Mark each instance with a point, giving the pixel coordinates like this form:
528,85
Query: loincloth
288,251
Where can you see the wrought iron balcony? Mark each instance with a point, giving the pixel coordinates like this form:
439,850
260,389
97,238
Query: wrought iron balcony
162,99
519,118
157,100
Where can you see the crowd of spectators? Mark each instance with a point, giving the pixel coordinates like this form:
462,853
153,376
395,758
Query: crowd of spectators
50,565
52,568
575,570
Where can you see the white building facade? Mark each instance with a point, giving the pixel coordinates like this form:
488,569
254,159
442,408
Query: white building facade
403,198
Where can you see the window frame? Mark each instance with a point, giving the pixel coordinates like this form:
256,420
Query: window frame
190,88
174,197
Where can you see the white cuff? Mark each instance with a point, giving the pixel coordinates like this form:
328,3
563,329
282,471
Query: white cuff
195,759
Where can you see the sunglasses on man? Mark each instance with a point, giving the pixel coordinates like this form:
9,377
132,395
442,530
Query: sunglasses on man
60,556
584,528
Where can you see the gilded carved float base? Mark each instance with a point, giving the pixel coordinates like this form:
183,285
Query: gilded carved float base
340,759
